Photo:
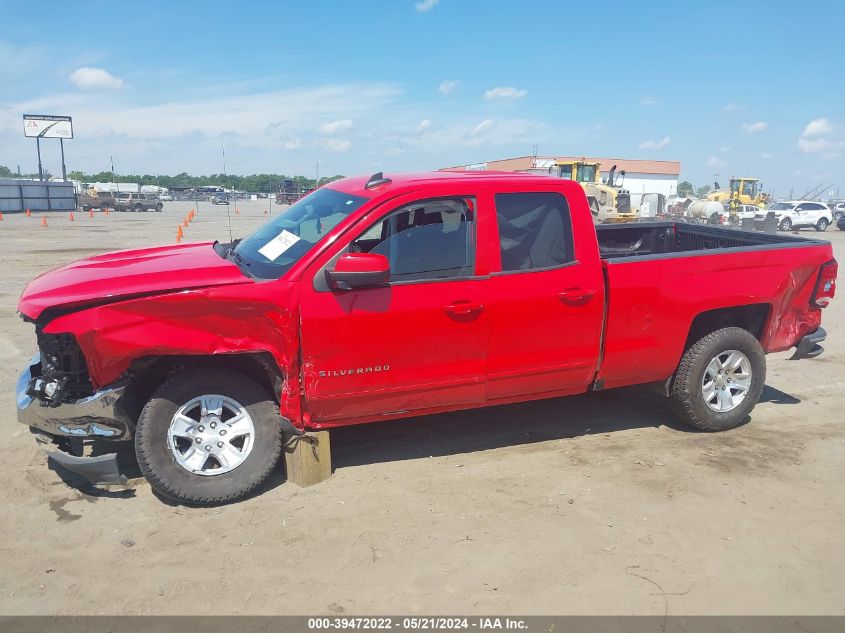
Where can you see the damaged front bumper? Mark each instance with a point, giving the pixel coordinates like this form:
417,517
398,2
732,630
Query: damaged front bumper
101,416
808,346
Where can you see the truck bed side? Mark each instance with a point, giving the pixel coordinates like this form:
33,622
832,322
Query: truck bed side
655,299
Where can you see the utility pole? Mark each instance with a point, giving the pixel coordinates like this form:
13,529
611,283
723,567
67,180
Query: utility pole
38,147
317,179
114,179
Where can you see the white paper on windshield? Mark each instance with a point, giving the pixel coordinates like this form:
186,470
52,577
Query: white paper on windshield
278,245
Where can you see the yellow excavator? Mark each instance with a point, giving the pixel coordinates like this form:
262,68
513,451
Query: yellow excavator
608,201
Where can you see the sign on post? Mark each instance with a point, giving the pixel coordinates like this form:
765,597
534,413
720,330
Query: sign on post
46,126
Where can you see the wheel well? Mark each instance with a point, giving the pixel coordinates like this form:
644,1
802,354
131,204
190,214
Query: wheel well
751,317
150,372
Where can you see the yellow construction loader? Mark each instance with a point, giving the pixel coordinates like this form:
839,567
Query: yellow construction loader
741,191
608,201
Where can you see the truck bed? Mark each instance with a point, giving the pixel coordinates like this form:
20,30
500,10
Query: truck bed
643,239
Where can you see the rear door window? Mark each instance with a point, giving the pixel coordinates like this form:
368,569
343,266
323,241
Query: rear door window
535,231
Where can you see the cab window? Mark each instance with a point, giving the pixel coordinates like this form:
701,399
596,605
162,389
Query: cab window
535,231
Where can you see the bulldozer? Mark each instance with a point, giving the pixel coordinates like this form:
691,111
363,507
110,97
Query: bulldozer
608,201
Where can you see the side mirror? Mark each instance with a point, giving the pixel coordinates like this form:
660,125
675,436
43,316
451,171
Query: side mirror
358,270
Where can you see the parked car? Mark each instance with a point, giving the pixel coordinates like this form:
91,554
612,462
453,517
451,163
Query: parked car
125,201
798,214
165,197
220,198
382,298
743,211
840,223
838,209
102,200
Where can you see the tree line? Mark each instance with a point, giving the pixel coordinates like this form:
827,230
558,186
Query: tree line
258,183
686,190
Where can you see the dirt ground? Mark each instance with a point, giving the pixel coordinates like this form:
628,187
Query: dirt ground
592,504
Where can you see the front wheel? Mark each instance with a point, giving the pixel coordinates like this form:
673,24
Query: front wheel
208,437
719,380
785,224
821,225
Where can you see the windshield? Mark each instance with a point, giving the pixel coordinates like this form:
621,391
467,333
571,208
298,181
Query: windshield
586,173
273,249
566,172
780,206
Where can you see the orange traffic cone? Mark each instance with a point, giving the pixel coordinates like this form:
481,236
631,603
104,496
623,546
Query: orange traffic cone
179,234
106,211
1,216
237,211
28,213
43,221
71,216
90,213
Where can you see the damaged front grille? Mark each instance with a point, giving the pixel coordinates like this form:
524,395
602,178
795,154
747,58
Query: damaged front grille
623,203
64,372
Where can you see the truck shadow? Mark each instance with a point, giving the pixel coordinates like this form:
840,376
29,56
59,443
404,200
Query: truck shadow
511,425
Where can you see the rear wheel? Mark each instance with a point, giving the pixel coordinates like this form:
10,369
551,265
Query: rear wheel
786,224
719,380
208,437
821,225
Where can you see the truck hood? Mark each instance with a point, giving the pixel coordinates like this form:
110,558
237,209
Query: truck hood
123,274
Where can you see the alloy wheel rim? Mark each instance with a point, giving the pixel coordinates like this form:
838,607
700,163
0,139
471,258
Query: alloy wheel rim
211,435
726,381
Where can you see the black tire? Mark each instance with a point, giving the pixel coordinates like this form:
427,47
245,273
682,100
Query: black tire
822,224
171,480
785,224
159,207
686,396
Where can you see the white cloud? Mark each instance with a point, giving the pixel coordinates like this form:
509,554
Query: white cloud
336,126
714,162
725,148
767,155
338,146
504,92
656,144
92,78
446,87
426,5
648,101
293,143
810,141
482,127
753,128
424,125
732,107
815,145
817,127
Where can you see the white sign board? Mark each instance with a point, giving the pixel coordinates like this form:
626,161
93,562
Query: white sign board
44,126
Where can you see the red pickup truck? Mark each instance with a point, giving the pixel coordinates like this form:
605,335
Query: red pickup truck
387,297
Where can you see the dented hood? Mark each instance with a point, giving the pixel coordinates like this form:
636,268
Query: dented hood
123,274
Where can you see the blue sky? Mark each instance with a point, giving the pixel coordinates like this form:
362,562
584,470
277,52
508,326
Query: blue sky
754,88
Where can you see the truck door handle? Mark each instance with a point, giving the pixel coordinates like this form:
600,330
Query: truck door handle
576,296
463,308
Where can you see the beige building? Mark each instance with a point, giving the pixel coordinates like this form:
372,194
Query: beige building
641,176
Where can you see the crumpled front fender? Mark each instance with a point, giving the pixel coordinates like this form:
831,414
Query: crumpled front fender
260,317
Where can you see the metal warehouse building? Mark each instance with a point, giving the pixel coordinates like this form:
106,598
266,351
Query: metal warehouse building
641,176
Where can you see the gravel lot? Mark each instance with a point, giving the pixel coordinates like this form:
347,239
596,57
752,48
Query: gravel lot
592,504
